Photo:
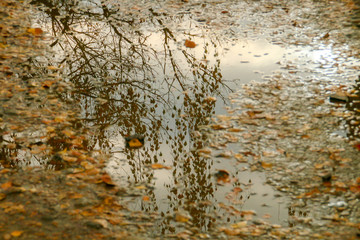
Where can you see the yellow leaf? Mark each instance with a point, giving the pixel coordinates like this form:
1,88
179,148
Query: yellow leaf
239,224
16,233
179,217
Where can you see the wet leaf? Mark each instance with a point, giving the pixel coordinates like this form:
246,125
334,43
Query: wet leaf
235,130
69,159
222,176
182,217
266,165
219,126
17,233
6,185
35,31
240,157
159,166
107,179
230,231
189,44
239,224
134,141
2,196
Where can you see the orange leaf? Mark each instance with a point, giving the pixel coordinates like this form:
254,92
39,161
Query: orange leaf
146,198
16,233
134,143
190,44
6,185
69,159
237,189
35,31
107,179
180,217
222,176
266,165
159,166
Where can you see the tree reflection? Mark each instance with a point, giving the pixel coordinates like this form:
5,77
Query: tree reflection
124,86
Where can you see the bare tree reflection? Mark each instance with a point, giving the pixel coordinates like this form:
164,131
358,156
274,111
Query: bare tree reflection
125,86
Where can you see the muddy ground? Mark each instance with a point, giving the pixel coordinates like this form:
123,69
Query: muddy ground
289,129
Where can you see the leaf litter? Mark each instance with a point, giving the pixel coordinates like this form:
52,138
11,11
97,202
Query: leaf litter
288,149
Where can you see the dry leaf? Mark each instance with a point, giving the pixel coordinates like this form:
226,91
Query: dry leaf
146,198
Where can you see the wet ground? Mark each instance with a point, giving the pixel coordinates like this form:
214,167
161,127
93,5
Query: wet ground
212,119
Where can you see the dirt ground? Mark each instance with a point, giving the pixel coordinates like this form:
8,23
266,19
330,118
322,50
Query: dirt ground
289,124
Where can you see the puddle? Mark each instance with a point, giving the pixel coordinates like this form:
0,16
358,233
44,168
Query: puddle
145,82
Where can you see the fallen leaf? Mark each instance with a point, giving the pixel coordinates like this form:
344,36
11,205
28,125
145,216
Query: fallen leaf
189,44
107,179
16,233
266,165
181,217
6,185
2,196
239,224
35,31
134,141
159,166
222,176
146,198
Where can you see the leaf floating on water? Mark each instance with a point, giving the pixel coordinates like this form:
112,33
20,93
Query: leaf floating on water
239,224
266,165
205,150
6,185
240,157
189,44
210,99
222,176
219,126
107,180
146,198
182,217
134,141
159,166
17,233
35,31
